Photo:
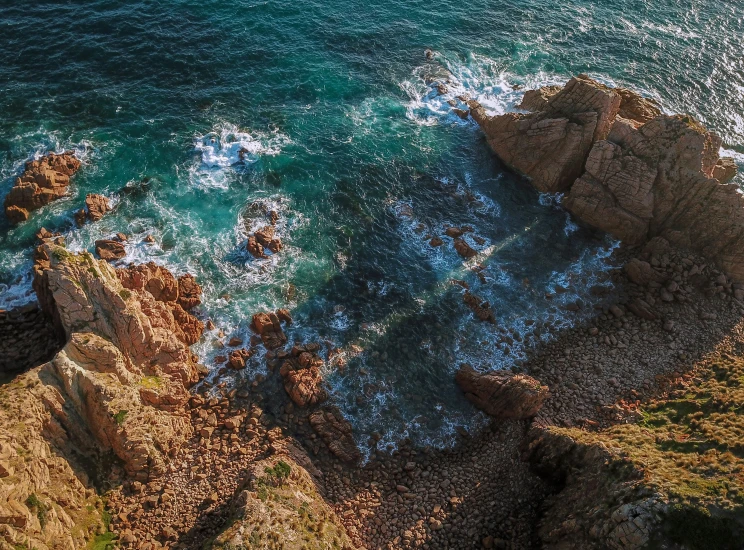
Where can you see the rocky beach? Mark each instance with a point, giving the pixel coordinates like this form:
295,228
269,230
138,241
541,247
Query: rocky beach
622,430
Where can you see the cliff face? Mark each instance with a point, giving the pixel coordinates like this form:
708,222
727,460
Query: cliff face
625,167
116,392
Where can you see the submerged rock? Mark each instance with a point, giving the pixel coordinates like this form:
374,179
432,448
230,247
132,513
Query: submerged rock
43,181
502,394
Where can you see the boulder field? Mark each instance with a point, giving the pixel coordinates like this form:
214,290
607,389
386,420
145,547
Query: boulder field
625,167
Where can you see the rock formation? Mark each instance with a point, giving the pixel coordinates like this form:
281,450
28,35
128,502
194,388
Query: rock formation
626,168
336,432
119,387
269,327
95,208
281,502
43,181
302,377
110,249
502,394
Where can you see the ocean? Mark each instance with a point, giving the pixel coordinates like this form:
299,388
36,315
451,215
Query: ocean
343,132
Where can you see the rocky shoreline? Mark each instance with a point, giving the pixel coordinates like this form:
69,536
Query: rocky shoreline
622,432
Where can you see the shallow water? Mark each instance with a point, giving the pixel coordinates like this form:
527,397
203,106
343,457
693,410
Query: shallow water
348,142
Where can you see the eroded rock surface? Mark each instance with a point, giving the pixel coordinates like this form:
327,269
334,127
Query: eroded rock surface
502,394
43,181
336,432
627,168
302,377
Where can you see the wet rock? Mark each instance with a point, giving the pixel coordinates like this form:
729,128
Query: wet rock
43,181
464,249
481,308
301,373
110,250
96,206
268,326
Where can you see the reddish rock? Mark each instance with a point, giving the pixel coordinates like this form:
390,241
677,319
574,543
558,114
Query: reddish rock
43,181
237,358
268,326
97,206
110,250
255,248
725,169
189,292
537,100
336,433
479,307
641,273
302,378
550,146
436,241
454,232
502,394
464,249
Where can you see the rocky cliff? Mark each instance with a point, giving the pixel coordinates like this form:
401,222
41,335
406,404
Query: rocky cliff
625,167
115,395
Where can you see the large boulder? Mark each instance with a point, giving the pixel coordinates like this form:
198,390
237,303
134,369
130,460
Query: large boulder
269,328
301,372
502,394
43,181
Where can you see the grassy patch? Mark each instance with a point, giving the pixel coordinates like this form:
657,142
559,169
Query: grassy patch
151,382
41,509
120,417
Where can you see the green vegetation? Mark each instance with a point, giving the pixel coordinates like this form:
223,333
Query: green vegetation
125,294
41,509
151,382
280,471
104,542
696,528
120,417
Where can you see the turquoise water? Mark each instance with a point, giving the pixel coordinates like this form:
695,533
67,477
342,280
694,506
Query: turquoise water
350,144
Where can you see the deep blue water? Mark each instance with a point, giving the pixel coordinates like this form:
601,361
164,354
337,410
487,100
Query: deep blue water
359,156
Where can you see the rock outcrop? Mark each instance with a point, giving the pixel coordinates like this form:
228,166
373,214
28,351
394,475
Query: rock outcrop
502,394
302,377
118,389
281,502
625,167
95,208
269,327
43,181
336,433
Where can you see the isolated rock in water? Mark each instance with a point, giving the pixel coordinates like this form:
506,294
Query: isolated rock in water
502,394
642,273
110,250
43,181
255,248
302,377
265,237
268,326
537,100
336,433
480,308
267,508
464,249
237,358
550,146
97,206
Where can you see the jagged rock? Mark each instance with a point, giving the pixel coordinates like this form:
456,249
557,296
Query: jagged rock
336,432
119,385
269,327
237,358
629,169
502,394
537,100
725,169
110,250
255,248
265,237
642,309
97,206
550,146
636,108
189,292
266,508
302,378
480,308
43,181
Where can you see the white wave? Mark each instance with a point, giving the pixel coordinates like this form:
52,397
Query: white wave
228,146
19,293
